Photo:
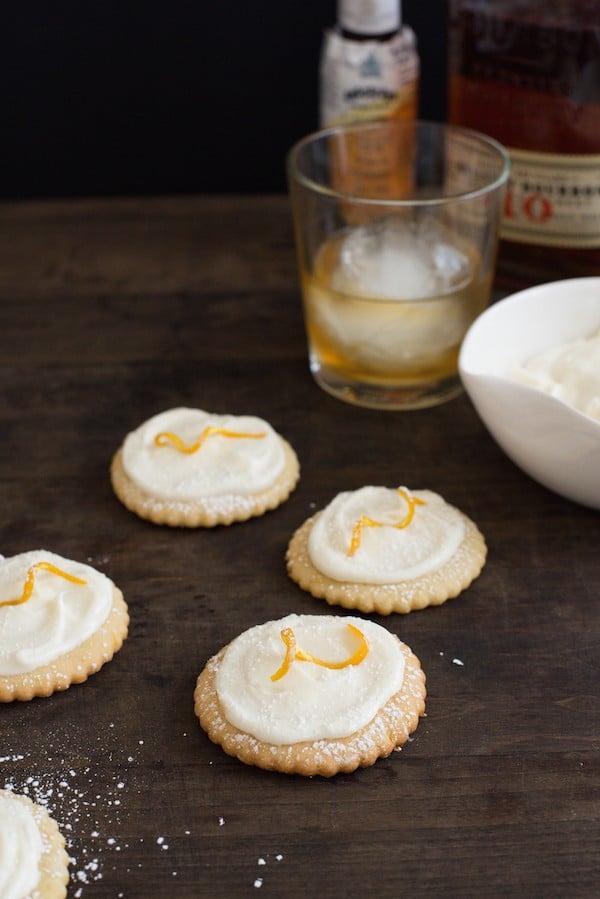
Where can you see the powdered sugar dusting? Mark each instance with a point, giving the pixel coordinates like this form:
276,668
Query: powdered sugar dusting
88,816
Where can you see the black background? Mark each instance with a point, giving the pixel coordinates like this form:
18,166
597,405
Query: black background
130,98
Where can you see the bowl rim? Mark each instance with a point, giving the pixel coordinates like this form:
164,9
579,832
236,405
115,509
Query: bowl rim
523,300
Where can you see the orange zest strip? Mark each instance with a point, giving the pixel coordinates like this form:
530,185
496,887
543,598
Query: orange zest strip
412,502
293,653
365,522
357,530
167,437
289,638
30,582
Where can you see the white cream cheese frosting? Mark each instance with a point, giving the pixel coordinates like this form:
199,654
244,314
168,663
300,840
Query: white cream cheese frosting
222,465
309,702
386,554
570,372
21,848
57,617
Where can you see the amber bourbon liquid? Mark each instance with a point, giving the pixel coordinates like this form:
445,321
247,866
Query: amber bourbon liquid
379,311
528,73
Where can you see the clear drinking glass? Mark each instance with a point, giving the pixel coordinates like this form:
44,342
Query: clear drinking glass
396,228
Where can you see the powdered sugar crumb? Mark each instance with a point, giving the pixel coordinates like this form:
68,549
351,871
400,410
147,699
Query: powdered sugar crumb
262,862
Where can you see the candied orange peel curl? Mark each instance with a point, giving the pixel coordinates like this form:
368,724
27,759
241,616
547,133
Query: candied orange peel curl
366,522
30,582
294,653
166,438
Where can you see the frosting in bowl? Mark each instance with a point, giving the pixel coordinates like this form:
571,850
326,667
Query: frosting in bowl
570,372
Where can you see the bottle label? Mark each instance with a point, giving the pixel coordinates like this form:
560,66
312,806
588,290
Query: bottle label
553,199
367,80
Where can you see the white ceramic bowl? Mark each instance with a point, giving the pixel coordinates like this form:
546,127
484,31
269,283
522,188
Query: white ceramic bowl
551,441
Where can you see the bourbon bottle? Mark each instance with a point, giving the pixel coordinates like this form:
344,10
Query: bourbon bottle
527,72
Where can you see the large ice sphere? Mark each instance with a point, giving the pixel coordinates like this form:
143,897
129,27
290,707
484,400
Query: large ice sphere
392,258
396,292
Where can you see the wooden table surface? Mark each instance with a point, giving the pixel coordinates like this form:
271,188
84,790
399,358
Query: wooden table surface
111,311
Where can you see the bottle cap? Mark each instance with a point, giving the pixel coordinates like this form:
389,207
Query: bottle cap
370,17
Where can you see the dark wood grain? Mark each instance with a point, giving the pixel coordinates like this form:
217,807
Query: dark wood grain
111,311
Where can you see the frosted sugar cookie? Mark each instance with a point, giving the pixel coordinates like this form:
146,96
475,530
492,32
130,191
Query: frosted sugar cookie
311,694
190,468
33,860
383,550
60,621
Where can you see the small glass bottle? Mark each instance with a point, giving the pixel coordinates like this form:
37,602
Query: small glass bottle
528,74
369,65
